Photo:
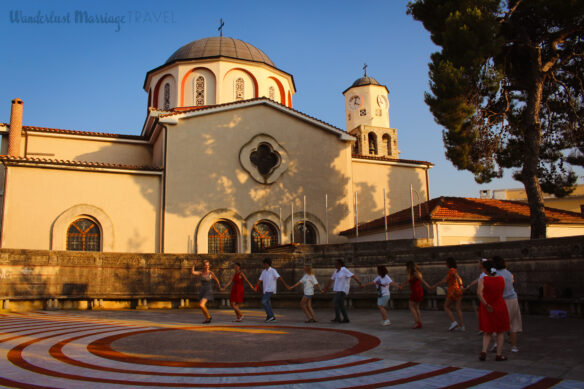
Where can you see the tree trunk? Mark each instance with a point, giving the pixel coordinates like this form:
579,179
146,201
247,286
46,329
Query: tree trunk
532,145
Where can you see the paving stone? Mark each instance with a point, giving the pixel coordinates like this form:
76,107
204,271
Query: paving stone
106,349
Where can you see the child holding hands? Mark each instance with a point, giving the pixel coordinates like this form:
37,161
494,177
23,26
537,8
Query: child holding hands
309,281
382,283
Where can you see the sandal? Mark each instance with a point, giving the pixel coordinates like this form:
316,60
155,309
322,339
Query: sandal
500,358
483,356
207,321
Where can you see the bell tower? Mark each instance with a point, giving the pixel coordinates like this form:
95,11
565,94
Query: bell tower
367,117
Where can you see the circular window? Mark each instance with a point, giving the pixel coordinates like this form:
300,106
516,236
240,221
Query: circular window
264,159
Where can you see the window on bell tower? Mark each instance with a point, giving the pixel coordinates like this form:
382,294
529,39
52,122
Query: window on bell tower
386,140
167,96
239,89
199,91
372,138
356,147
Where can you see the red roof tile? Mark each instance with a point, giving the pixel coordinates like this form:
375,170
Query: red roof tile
469,209
80,133
8,160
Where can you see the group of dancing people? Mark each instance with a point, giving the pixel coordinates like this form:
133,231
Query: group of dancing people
498,309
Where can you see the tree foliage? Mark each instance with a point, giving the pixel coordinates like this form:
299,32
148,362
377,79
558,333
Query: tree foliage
508,87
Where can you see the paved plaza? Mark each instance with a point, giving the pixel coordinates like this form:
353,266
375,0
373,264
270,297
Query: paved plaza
170,348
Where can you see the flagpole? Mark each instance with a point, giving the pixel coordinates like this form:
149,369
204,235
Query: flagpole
304,221
356,218
326,216
385,216
292,221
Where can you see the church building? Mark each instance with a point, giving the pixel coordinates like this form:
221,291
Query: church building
223,164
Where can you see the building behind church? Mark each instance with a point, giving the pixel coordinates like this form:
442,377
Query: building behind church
223,163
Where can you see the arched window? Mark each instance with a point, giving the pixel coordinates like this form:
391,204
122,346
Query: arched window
299,233
199,89
222,238
167,96
263,235
356,147
372,143
83,235
386,140
239,89
271,93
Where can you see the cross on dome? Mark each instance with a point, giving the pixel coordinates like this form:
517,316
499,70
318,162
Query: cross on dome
220,29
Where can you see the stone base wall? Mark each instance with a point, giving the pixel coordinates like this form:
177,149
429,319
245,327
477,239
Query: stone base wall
549,274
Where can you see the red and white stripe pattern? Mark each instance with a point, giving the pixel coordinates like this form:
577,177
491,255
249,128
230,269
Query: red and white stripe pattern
52,350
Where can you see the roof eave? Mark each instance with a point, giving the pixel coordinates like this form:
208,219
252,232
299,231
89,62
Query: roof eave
174,118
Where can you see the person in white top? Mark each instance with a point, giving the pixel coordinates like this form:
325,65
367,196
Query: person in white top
309,281
510,297
382,283
269,278
342,279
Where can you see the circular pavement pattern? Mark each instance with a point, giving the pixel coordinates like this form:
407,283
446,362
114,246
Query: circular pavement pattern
53,350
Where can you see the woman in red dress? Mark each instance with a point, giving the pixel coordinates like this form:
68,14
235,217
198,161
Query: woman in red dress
415,280
236,296
493,314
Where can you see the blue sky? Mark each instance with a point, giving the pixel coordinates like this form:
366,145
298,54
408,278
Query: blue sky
89,76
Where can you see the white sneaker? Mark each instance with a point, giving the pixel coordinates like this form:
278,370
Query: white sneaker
462,328
386,323
514,349
453,325
493,347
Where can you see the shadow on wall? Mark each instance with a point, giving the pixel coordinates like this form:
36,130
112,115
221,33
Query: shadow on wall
209,176
401,187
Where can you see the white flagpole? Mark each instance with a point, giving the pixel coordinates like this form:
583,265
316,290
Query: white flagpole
304,221
280,220
326,216
292,222
385,213
356,218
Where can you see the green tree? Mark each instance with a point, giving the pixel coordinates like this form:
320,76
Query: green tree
508,88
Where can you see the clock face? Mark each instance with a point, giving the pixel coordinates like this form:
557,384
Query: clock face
354,102
382,101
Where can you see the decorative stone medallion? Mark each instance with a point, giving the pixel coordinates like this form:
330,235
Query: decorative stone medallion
264,159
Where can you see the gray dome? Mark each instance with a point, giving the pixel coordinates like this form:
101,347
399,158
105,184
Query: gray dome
365,81
220,47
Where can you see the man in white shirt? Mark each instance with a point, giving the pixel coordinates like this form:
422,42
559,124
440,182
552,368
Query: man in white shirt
269,278
342,278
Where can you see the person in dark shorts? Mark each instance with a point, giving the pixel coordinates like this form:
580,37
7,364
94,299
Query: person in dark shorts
206,291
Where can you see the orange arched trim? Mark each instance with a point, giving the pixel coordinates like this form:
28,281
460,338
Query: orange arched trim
184,80
255,82
289,99
281,87
157,89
